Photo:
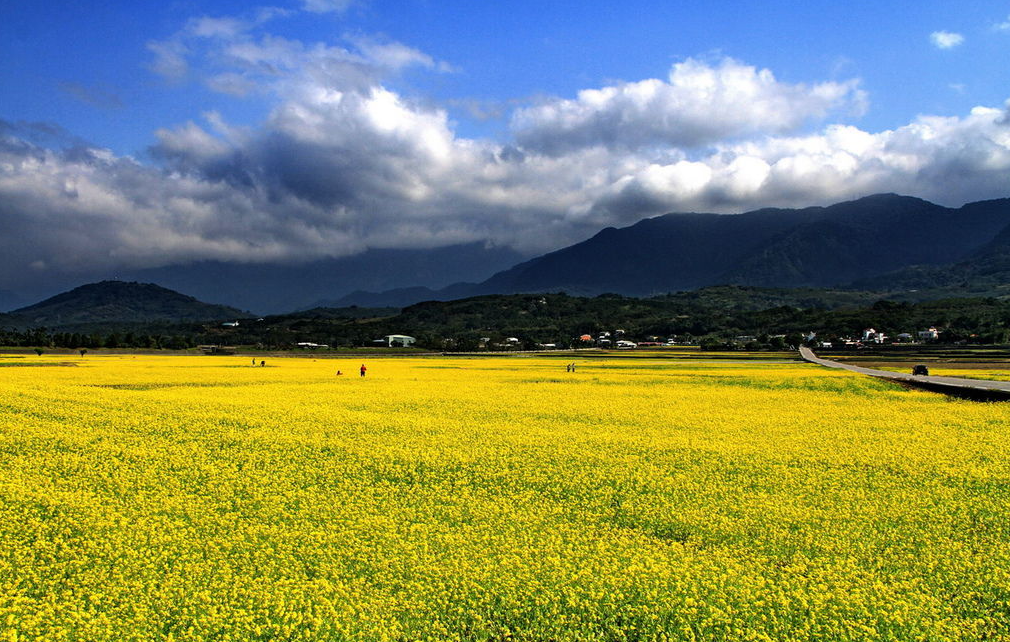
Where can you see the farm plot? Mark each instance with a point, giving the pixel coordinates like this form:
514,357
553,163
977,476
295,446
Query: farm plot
201,498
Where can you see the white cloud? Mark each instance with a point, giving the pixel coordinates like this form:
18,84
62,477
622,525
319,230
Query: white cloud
326,6
1003,26
207,27
231,83
169,58
698,104
945,39
394,55
947,160
238,57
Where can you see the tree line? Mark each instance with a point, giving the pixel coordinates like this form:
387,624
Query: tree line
716,321
34,337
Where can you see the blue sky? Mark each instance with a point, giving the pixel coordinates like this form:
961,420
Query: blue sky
85,65
170,132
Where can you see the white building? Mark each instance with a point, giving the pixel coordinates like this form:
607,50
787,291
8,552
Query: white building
929,335
872,336
399,340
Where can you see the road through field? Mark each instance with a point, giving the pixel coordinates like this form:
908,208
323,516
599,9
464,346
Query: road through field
993,390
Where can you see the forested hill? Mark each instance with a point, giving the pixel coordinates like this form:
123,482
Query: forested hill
117,302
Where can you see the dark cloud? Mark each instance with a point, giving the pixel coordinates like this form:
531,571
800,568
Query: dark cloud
28,134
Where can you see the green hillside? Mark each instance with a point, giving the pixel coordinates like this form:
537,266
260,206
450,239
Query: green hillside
116,302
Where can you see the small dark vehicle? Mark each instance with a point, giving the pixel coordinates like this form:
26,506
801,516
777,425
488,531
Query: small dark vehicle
920,370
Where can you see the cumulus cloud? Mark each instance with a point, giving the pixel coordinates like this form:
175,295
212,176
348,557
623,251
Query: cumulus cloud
945,39
343,162
698,104
948,160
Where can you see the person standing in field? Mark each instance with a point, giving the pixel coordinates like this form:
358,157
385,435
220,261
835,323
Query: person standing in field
363,369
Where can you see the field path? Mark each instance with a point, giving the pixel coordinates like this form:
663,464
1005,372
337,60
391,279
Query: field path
983,389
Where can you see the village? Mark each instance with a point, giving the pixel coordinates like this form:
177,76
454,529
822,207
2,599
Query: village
871,336
619,340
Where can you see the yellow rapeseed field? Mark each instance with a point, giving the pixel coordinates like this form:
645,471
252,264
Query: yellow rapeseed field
200,498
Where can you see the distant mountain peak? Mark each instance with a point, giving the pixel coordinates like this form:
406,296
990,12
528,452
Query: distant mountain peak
883,197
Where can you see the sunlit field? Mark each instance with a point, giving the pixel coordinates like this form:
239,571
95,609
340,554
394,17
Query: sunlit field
202,498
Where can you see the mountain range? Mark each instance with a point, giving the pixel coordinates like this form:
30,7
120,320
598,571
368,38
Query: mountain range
898,247
276,288
271,287
884,242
